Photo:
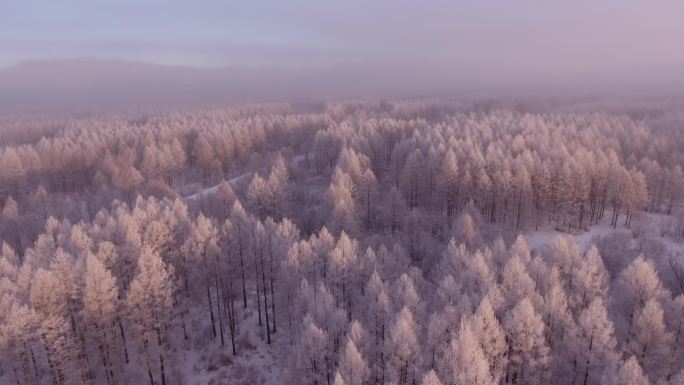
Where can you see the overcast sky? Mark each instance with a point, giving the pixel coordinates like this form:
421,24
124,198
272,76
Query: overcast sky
514,41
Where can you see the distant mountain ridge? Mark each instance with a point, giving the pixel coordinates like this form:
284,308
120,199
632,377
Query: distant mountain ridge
96,83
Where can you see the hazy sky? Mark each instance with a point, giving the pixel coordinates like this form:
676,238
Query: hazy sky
508,40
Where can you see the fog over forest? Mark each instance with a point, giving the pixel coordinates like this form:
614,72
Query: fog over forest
306,193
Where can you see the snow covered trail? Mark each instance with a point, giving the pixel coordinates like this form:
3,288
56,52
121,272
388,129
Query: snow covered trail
210,190
213,189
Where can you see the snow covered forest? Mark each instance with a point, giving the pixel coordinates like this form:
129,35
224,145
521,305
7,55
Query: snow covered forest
404,242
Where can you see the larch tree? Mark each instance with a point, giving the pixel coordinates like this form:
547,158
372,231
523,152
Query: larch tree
651,343
499,257
517,283
636,285
378,305
589,280
338,379
342,269
101,305
676,325
629,373
352,365
557,318
149,304
406,295
18,333
63,352
430,378
238,234
403,349
438,336
527,351
202,248
466,231
450,183
448,291
465,361
359,336
204,155
521,249
309,367
479,277
258,196
492,338
340,196
277,185
594,344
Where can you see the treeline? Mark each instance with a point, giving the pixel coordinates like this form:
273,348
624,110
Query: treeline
526,171
567,170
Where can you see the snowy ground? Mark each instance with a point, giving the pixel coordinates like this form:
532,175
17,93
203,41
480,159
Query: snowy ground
255,364
213,189
649,229
645,238
584,240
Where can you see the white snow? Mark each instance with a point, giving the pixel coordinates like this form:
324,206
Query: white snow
210,190
213,189
255,363
584,240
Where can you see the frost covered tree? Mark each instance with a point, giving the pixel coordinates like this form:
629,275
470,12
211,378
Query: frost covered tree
595,344
101,306
636,285
492,338
277,185
352,365
258,195
527,351
517,283
202,248
651,343
589,280
149,304
403,349
340,195
309,354
378,305
557,317
466,363
629,373
342,270
430,378
676,325
18,334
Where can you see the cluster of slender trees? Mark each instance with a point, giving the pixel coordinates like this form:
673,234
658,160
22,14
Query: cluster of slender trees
370,243
521,170
120,299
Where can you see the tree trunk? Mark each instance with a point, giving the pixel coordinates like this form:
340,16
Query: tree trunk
218,309
211,312
123,339
147,359
161,358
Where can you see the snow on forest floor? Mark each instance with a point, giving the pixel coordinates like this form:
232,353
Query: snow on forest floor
254,364
258,363
619,251
584,240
